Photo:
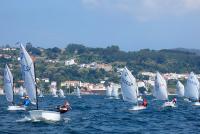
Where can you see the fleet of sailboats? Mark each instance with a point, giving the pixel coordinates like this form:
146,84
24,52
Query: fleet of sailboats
129,89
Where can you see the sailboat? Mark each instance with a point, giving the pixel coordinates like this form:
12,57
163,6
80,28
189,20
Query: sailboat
179,89
138,95
8,88
41,94
109,92
54,92
78,93
129,89
160,90
31,87
61,93
21,92
192,89
115,93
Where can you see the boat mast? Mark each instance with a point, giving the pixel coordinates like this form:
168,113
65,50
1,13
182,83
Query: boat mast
36,86
13,91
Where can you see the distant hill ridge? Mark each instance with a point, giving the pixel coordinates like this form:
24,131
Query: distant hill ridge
195,51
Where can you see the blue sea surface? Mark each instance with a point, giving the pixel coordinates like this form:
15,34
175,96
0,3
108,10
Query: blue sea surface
93,114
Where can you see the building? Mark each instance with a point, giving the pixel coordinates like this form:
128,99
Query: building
70,62
70,83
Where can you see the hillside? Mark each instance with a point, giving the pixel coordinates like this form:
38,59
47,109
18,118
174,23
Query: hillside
50,63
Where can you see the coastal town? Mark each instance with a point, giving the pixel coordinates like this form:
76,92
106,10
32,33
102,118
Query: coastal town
88,87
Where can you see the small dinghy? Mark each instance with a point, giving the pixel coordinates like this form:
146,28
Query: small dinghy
192,89
160,91
137,108
109,92
8,88
30,84
61,93
196,104
54,92
169,104
43,115
115,93
16,108
180,89
129,90
77,91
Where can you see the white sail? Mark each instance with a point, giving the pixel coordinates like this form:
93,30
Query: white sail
8,84
21,91
108,91
54,92
115,93
180,89
61,93
40,92
192,87
78,93
128,86
28,74
160,88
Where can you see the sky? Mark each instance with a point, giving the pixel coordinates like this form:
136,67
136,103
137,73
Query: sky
130,24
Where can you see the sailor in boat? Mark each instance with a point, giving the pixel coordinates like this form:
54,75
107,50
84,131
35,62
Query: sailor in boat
174,101
144,103
26,101
65,107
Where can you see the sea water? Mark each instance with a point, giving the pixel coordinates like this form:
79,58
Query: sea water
93,114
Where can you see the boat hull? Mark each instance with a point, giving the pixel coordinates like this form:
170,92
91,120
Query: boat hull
137,108
16,108
44,115
196,103
168,104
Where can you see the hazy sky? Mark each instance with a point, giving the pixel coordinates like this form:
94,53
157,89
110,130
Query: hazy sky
130,24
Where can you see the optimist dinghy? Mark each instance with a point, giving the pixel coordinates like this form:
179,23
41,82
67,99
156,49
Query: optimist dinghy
192,89
31,87
8,88
129,90
160,91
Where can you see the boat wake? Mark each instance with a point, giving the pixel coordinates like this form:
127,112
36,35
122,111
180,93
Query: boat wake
25,119
66,120
28,119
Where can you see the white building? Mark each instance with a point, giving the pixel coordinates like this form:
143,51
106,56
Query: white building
70,62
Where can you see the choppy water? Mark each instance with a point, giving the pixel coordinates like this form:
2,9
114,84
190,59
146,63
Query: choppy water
96,115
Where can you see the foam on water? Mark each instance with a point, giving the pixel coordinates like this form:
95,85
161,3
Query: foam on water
25,119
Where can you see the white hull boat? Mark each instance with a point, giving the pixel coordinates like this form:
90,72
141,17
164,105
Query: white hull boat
43,115
16,108
55,95
186,99
130,90
168,104
196,104
30,85
140,98
137,108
